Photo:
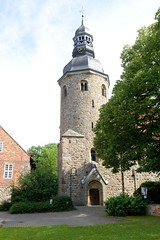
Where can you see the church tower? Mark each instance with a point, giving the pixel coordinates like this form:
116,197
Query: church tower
84,88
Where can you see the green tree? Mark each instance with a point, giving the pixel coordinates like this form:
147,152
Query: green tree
128,129
46,155
112,134
35,186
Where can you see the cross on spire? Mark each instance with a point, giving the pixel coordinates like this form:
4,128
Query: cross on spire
82,12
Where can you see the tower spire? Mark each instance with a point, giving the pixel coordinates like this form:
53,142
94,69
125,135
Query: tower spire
83,41
82,20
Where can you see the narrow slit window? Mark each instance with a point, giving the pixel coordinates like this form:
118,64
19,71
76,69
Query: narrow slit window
1,146
86,86
93,103
93,155
103,90
81,86
64,91
92,125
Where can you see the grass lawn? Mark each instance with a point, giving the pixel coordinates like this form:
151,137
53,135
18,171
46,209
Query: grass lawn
140,228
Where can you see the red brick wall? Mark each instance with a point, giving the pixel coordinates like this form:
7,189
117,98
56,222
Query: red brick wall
11,153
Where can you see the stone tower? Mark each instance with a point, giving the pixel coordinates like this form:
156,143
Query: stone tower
84,88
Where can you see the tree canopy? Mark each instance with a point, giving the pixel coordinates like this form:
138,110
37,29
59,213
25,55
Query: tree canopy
128,129
46,155
35,186
42,183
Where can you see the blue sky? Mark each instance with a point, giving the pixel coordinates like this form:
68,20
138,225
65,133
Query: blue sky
36,43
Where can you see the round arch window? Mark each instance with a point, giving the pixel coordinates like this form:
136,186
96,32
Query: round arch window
103,90
84,85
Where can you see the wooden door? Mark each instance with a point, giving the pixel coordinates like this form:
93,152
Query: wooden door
94,196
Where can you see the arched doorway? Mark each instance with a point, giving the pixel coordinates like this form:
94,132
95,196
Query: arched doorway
95,193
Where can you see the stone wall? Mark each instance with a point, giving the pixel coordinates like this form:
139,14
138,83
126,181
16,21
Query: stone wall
71,160
114,186
13,154
75,157
78,116
77,111
153,209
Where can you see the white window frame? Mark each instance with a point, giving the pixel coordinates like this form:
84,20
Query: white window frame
8,171
1,146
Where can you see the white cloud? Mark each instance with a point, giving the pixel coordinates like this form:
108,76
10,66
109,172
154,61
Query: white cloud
35,45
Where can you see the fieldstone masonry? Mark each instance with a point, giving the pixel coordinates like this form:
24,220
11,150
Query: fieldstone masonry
85,180
77,111
153,209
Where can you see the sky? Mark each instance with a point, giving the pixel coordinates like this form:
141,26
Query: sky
35,45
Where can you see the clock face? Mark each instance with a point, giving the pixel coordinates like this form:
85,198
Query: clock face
80,49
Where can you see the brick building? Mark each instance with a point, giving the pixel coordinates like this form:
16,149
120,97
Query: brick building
84,88
13,161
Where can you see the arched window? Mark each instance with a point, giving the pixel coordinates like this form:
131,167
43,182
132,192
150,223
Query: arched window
93,155
81,86
64,91
84,85
103,90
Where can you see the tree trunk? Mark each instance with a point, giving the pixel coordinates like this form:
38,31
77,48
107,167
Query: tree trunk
122,175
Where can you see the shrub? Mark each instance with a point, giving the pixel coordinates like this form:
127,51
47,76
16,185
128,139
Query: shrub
153,191
36,186
124,205
60,203
136,207
115,206
30,207
5,206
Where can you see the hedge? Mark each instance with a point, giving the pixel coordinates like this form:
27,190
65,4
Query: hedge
60,203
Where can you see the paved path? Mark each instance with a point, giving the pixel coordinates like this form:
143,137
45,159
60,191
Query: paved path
83,216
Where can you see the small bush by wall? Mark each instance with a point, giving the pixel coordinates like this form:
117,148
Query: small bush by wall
5,206
124,205
60,203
